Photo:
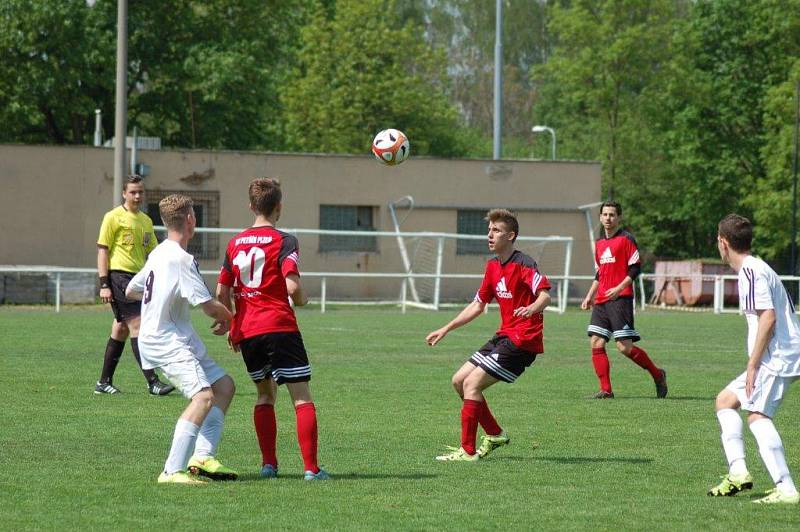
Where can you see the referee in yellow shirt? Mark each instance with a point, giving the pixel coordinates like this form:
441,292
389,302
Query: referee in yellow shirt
126,238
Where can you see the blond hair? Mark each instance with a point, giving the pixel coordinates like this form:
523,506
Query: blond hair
174,209
506,216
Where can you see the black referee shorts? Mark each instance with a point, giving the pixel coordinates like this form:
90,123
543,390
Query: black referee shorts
124,309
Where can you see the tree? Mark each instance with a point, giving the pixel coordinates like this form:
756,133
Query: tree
351,84
600,91
733,56
465,29
771,199
200,73
54,70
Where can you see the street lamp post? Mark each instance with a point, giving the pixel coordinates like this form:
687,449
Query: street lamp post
545,129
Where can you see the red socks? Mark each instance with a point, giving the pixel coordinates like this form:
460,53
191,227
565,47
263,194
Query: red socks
267,433
487,420
602,368
643,361
307,435
470,412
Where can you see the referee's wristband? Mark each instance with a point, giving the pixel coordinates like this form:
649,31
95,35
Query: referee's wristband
104,281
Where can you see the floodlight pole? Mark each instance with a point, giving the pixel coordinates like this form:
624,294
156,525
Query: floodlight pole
121,105
793,267
545,129
497,150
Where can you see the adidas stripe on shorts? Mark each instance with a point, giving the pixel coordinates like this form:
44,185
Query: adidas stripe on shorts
501,359
614,319
280,355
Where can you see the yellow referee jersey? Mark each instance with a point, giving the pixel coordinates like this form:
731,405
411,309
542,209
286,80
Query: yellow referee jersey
129,238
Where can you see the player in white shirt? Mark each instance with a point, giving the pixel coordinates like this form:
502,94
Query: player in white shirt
773,345
167,285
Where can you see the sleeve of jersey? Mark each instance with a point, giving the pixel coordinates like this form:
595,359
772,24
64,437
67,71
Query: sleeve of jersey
106,236
485,293
633,253
153,242
137,283
539,282
226,275
759,295
289,256
192,285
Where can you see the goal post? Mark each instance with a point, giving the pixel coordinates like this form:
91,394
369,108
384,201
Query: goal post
417,269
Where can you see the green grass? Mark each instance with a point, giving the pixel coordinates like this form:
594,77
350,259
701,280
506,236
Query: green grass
70,459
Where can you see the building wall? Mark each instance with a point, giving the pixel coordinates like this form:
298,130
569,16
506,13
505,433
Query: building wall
54,198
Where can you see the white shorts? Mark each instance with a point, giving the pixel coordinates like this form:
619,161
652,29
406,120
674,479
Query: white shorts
768,392
191,375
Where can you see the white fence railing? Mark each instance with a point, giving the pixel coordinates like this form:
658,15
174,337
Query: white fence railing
323,301
561,285
719,282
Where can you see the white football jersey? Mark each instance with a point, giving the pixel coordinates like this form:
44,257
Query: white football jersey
761,289
170,282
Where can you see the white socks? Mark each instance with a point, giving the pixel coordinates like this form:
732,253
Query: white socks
182,445
210,433
771,448
732,440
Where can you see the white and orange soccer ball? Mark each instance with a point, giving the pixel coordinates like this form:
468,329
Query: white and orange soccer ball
391,147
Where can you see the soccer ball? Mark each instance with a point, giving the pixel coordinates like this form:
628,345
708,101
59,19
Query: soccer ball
391,147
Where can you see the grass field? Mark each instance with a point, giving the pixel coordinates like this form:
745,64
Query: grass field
70,459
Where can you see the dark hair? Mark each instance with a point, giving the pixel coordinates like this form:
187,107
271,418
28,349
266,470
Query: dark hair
738,231
133,179
613,204
265,194
507,217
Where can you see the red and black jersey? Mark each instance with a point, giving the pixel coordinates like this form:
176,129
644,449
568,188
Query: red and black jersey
613,258
256,264
515,283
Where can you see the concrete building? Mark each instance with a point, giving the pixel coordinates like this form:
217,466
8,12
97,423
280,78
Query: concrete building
54,198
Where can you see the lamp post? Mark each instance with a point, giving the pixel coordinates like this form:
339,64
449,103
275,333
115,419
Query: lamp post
545,129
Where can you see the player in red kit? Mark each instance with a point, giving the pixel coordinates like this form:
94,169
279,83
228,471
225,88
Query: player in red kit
260,272
616,261
522,293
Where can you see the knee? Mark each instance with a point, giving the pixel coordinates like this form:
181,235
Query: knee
470,387
625,349
119,328
204,399
225,387
725,400
596,342
458,384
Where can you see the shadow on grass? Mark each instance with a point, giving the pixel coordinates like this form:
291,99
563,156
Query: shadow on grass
668,398
250,477
589,459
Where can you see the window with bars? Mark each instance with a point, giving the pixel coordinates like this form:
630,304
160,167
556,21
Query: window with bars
347,218
206,210
471,222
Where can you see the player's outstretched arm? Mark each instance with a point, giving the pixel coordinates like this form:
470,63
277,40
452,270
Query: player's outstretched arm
219,313
135,288
470,312
542,300
766,326
224,296
295,290
587,301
